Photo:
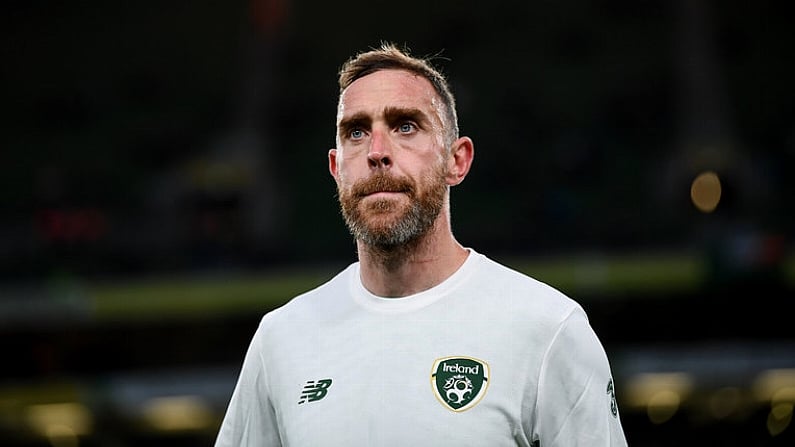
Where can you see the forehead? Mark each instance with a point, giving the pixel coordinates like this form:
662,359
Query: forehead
389,88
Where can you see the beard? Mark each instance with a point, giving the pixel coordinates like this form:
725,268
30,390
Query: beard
389,222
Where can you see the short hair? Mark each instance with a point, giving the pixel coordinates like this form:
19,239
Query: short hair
390,57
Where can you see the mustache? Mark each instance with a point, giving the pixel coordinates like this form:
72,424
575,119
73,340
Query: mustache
382,183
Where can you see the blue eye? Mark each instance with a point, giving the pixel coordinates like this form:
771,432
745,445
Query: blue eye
406,127
356,134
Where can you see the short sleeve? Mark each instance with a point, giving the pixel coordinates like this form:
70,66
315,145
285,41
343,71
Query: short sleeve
576,396
250,419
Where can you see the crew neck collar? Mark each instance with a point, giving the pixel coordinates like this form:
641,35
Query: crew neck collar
409,303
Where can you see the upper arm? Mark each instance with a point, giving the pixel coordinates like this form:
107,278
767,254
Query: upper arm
250,419
576,405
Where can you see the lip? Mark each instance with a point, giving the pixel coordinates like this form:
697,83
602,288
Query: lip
383,194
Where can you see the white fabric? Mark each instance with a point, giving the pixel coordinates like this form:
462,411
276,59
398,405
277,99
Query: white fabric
548,381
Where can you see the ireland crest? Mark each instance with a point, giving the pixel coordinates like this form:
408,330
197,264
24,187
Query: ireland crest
459,382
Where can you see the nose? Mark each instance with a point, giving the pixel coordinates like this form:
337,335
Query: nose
380,154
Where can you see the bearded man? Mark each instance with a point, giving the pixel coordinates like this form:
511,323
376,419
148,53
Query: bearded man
422,341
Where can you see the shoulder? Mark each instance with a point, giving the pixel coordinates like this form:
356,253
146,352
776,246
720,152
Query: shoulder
316,302
522,292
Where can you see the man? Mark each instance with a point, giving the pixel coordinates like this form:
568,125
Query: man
422,342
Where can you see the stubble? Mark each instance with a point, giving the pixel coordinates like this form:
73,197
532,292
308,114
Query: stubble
390,223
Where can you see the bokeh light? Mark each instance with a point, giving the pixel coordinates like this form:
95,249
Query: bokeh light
705,191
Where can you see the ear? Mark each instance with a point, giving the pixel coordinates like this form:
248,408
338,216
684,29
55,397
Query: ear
332,163
460,160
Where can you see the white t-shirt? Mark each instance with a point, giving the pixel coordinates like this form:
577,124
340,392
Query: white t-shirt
489,357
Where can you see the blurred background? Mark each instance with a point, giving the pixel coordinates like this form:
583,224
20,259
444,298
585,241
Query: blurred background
164,183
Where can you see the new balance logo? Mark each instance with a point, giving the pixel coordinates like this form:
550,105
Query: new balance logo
314,390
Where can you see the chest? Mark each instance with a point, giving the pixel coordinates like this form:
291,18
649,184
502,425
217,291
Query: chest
377,381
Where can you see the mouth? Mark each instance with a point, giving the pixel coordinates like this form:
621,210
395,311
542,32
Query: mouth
383,194
382,186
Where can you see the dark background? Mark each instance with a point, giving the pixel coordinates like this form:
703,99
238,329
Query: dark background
163,183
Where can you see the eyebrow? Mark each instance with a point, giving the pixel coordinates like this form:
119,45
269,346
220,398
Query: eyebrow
357,121
397,115
392,115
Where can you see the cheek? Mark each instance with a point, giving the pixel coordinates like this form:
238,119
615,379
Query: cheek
443,164
344,184
342,188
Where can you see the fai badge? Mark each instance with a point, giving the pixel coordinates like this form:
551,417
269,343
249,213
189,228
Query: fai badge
459,382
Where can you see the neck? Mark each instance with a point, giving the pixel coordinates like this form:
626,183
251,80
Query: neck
425,262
